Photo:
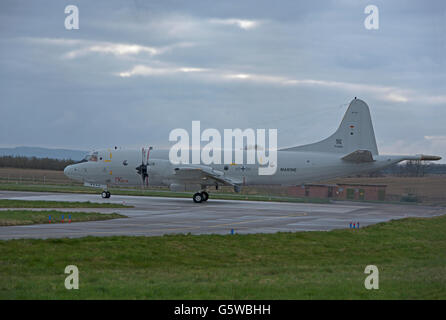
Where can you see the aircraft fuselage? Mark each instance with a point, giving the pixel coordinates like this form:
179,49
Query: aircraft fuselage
118,168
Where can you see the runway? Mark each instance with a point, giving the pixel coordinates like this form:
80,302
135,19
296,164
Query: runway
155,216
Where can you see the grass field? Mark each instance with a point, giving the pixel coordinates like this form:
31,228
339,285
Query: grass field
410,255
7,203
39,176
24,217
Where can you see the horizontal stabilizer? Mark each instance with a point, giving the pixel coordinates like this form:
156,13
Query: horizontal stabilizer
359,156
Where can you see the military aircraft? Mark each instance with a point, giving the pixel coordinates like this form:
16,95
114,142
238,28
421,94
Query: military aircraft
350,150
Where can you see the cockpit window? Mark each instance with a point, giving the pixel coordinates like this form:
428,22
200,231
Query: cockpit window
83,160
93,157
90,157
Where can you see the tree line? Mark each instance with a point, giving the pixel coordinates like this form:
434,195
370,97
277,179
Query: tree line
34,163
415,169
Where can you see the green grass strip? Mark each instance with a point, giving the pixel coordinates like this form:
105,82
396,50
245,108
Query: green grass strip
6,203
409,253
24,217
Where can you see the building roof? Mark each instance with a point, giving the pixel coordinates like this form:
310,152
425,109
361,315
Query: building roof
361,185
341,184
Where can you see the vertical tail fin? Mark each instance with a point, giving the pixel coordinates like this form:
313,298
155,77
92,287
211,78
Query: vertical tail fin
354,133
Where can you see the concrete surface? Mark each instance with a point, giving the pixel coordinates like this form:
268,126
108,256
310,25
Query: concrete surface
154,216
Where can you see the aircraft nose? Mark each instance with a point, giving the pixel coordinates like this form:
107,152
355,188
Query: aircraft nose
68,171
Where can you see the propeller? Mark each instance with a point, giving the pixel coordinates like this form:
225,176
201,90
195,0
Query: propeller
142,169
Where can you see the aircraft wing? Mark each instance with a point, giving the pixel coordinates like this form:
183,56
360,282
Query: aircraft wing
204,175
359,156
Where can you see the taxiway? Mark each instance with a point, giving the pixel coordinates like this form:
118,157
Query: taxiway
155,216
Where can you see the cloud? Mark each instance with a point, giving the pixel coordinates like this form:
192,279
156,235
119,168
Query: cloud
142,70
241,23
308,54
53,41
101,47
384,93
122,49
117,49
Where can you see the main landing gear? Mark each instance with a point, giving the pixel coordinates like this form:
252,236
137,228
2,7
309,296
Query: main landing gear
105,194
200,197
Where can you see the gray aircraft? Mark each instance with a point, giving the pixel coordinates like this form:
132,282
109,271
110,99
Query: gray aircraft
350,150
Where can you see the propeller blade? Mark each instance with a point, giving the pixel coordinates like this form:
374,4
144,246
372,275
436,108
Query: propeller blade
142,169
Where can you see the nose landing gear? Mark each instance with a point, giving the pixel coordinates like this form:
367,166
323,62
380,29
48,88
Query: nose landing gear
200,197
105,194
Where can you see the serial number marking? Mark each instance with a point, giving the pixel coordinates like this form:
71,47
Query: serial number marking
288,169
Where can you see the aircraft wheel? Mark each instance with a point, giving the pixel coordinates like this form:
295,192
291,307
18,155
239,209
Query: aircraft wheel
205,196
197,197
104,194
108,194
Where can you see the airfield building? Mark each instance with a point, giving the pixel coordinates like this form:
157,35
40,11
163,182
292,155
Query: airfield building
370,192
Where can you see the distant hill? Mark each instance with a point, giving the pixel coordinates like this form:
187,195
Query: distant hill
37,152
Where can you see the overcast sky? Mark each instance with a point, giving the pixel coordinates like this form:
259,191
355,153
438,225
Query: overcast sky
135,70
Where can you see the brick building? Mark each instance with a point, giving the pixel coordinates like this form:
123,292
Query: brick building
372,192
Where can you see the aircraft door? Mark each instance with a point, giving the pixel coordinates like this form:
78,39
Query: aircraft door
106,157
